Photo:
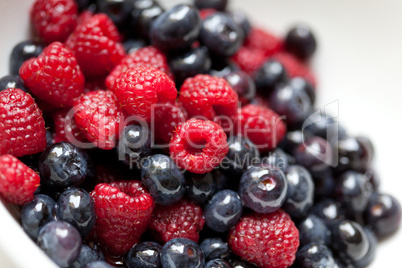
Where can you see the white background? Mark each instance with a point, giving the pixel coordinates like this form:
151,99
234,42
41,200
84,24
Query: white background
358,63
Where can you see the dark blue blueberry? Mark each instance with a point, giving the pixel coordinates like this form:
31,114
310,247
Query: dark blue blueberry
221,35
99,264
383,214
76,207
61,242
223,211
313,229
87,255
62,165
325,126
218,263
117,10
176,28
215,4
315,255
22,52
190,63
242,84
163,178
238,263
134,144
354,153
269,75
182,252
131,45
36,214
300,193
242,154
263,189
49,137
329,211
277,158
241,19
200,187
293,139
324,183
12,81
301,42
143,15
373,178
215,248
368,258
144,255
315,154
222,66
221,180
301,84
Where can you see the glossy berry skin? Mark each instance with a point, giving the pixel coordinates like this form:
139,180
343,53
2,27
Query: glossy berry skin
143,15
215,248
353,153
62,165
221,67
218,263
12,81
238,263
200,187
243,84
76,207
221,35
87,255
36,213
163,179
301,84
134,144
383,214
277,158
240,18
369,257
315,255
301,42
176,28
329,211
315,154
144,255
300,193
22,52
293,139
214,4
182,252
131,45
269,75
61,242
117,10
223,211
324,125
263,188
313,229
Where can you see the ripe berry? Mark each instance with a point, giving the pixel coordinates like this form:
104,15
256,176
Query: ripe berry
143,15
144,255
218,263
131,45
21,52
215,248
134,144
301,84
313,229
214,4
99,264
329,211
264,41
240,18
315,154
88,255
301,42
353,153
200,187
65,128
315,255
182,252
12,81
242,83
269,75
249,59
117,10
277,158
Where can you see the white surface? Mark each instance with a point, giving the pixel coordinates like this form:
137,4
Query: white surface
359,63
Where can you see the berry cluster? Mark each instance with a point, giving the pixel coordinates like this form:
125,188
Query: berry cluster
136,136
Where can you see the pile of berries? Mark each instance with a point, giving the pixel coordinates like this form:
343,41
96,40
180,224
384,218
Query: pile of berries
137,136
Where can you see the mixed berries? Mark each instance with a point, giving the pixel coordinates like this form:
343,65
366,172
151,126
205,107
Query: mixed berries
137,136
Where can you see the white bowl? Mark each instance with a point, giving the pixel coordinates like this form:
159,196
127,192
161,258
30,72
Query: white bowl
358,65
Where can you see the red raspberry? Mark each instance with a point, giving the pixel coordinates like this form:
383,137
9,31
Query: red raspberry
264,41
209,97
54,76
249,59
54,20
85,15
198,146
123,212
183,219
147,56
96,45
261,125
268,240
98,116
205,12
65,127
22,128
17,181
138,88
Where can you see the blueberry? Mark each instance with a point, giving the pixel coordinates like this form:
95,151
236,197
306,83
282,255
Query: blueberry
131,45
117,10
87,255
221,67
315,154
61,242
373,178
242,84
49,137
143,15
313,229
176,28
76,207
36,214
22,52
383,214
241,20
300,192
269,75
293,139
325,126
368,258
324,183
163,178
237,263
190,63
134,144
215,248
221,180
277,158
200,187
315,255
223,211
12,81
354,153
301,41
329,211
99,264
263,189
182,252
144,255
215,4
302,84
221,35
218,263
62,165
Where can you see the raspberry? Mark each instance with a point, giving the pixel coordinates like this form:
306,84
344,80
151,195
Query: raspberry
268,240
249,59
22,128
65,127
209,97
147,56
54,20
261,125
17,181
264,41
205,12
198,146
95,43
54,76
123,212
183,219
98,116
138,88
167,118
